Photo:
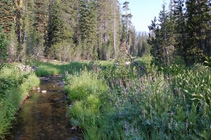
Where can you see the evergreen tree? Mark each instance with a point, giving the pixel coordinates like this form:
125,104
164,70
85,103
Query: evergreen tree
40,18
88,27
7,14
126,21
13,45
104,27
133,46
69,13
164,36
180,29
3,47
55,26
154,41
197,27
143,48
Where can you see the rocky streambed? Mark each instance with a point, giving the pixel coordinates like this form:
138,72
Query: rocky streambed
43,115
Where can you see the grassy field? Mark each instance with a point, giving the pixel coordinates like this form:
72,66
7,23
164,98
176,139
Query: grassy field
53,68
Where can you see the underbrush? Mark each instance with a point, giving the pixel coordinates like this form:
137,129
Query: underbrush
135,106
14,87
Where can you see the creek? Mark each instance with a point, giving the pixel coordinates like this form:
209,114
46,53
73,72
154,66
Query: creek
43,115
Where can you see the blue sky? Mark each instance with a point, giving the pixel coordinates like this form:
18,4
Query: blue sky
143,12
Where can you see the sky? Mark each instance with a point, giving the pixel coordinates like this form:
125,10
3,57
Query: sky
143,12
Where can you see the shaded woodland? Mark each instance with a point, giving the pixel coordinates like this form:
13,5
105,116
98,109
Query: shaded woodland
68,30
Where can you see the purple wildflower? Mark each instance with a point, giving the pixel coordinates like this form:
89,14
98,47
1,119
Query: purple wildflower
201,102
186,125
137,131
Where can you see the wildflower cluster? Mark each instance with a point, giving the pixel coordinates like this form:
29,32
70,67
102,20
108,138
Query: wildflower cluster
152,106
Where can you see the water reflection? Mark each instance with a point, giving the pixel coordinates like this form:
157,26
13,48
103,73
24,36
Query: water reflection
43,116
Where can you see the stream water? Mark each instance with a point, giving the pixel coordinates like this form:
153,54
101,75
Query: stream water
43,115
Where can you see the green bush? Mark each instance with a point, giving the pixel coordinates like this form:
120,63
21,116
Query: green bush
79,87
85,90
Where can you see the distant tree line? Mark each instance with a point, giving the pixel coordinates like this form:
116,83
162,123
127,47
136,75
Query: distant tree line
69,30
183,31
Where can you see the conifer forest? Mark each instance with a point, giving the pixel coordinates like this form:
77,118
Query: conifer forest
80,70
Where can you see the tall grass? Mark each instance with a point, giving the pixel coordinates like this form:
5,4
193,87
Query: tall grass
15,85
134,106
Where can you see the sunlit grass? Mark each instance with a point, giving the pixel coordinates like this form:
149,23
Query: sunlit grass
52,68
138,106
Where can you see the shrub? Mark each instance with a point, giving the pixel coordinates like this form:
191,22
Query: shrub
15,85
80,86
85,89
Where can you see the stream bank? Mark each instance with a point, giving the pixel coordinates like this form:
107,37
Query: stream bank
43,115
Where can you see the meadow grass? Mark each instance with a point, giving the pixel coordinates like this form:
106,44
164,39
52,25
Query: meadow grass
15,85
47,69
85,90
121,102
134,106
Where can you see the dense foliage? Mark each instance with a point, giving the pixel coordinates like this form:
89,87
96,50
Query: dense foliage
165,94
14,87
123,104
183,31
3,48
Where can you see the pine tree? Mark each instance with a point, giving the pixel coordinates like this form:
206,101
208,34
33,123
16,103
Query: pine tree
7,14
88,27
133,48
40,19
164,34
154,41
126,21
13,45
104,10
55,26
27,21
197,27
163,41
3,47
69,13
143,48
180,29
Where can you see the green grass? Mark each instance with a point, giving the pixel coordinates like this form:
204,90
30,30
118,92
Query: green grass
119,102
135,106
47,69
85,90
15,85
